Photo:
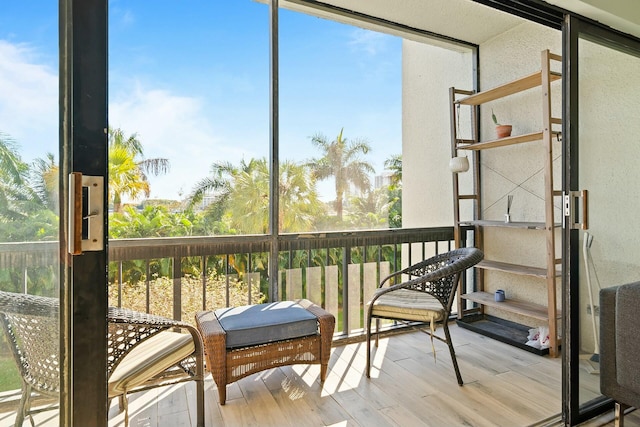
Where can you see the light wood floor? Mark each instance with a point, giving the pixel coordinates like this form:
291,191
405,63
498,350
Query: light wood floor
504,386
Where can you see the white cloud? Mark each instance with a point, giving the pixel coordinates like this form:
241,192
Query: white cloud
120,14
367,41
169,125
28,100
128,18
173,127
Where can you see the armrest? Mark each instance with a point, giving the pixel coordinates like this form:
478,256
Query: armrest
619,378
608,383
627,342
128,328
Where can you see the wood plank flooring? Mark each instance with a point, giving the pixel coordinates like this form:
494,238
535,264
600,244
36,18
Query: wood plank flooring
504,386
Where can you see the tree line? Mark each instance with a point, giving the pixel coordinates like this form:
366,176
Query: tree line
237,194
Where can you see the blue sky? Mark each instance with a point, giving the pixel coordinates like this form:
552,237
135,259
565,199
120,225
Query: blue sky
192,80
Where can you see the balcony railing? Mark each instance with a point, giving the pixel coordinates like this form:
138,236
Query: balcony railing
178,276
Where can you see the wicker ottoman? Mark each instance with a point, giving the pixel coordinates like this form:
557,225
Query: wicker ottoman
230,361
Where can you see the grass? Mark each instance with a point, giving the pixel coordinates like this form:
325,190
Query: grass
161,296
9,375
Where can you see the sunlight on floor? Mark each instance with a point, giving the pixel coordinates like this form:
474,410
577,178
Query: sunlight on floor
590,363
378,356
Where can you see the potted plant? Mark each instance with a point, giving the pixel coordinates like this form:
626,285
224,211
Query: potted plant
501,130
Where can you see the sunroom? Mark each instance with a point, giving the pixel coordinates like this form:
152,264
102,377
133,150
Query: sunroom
262,90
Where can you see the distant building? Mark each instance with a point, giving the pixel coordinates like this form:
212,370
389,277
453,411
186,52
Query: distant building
383,180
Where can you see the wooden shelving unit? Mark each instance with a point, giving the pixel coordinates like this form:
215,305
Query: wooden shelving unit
546,311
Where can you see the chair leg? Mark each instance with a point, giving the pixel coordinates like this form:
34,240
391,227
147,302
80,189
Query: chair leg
222,393
125,405
619,414
445,326
324,367
25,403
368,369
200,402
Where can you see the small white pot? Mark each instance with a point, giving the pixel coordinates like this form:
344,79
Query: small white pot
459,164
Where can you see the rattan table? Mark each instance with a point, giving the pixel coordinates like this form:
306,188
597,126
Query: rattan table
228,365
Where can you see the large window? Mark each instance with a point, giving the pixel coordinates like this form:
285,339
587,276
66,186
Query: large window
29,214
189,89
340,124
189,122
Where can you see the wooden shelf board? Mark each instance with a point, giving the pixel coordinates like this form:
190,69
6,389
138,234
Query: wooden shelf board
503,142
513,224
524,308
514,268
510,88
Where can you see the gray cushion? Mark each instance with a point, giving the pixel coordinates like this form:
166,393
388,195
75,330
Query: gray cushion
627,342
264,323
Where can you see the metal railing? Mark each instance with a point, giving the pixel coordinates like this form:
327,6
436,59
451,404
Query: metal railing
178,276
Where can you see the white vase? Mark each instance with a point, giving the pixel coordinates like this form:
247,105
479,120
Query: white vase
459,164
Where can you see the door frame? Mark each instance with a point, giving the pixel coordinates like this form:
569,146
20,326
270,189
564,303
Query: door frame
574,29
83,148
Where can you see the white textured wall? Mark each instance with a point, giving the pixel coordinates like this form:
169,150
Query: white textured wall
609,153
428,73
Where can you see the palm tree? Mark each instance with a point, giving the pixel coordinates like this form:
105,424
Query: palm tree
248,198
44,178
341,160
371,211
242,196
394,164
128,169
15,194
219,183
299,202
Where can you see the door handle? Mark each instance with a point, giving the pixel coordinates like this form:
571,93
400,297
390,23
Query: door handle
572,209
86,211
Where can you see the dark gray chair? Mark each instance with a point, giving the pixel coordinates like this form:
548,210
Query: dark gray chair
426,295
620,347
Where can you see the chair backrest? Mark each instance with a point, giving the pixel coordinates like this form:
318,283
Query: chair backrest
439,274
619,346
31,324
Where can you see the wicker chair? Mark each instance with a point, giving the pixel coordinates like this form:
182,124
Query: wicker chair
426,296
144,351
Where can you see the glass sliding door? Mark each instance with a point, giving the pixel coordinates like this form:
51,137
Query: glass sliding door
29,211
603,149
52,123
